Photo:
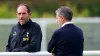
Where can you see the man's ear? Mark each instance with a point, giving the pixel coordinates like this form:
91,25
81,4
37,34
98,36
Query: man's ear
62,17
30,13
16,14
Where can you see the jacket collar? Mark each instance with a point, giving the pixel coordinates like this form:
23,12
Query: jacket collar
25,25
66,23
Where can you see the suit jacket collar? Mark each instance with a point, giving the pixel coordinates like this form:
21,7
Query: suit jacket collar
66,23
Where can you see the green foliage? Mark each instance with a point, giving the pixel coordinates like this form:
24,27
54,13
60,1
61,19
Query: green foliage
45,14
78,12
83,13
46,8
5,12
34,14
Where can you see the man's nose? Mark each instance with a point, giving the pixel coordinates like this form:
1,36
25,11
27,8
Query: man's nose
21,15
56,21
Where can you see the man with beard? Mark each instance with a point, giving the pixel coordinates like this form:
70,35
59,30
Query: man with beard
25,36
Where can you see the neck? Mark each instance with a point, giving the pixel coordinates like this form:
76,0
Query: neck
24,23
65,21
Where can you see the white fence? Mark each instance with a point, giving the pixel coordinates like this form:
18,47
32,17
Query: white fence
44,53
43,23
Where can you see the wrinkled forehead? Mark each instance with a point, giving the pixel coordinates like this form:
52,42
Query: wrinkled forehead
21,9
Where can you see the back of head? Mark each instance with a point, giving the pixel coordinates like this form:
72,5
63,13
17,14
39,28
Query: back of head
65,11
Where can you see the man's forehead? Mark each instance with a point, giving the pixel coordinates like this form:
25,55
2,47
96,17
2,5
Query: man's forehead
21,8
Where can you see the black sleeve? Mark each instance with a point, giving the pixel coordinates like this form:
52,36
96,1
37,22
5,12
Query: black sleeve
7,46
53,41
35,43
8,49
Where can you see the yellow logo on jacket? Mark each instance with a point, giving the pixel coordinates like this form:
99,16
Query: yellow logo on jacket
27,37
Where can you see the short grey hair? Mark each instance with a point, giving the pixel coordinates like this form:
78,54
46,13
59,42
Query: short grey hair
65,11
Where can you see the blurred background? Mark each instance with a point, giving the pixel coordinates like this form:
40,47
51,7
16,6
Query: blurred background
86,16
46,8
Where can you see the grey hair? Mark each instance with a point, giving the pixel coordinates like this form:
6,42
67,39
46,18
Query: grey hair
65,11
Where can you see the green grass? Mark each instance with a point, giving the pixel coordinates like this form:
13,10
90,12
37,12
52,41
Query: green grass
4,35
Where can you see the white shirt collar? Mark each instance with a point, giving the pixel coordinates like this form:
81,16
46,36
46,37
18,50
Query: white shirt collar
66,23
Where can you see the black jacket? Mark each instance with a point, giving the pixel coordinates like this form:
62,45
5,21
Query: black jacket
67,41
25,38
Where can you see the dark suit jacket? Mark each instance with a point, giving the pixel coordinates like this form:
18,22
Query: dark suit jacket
67,41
